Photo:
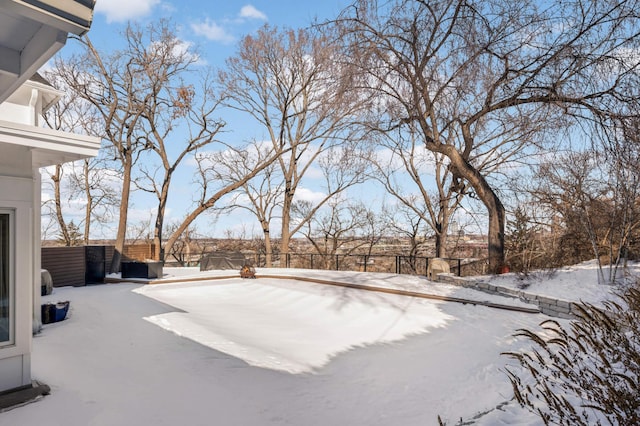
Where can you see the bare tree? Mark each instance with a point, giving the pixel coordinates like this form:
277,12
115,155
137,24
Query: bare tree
597,200
483,79
141,230
290,83
186,246
420,180
94,181
218,176
372,229
56,211
114,85
139,93
337,228
621,146
175,107
87,179
403,221
262,196
60,117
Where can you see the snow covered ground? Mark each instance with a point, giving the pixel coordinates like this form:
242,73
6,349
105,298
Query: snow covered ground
275,351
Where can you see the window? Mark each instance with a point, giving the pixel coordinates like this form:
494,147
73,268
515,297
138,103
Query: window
6,276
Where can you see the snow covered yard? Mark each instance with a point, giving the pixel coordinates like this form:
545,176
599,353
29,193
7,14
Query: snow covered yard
274,351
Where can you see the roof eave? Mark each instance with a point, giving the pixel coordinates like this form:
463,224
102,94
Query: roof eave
71,16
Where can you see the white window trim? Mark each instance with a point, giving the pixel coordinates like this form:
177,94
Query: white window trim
12,277
22,275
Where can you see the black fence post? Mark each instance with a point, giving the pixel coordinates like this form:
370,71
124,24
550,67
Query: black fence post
426,267
459,267
337,263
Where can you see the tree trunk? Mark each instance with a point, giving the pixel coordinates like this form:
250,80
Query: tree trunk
496,232
158,253
268,248
491,201
157,233
64,231
441,242
124,207
286,222
89,206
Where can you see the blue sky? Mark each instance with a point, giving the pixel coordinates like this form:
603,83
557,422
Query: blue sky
214,28
215,25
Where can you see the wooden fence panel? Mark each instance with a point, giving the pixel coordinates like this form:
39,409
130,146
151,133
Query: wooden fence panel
139,252
65,264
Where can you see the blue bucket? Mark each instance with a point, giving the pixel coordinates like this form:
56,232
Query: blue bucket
54,312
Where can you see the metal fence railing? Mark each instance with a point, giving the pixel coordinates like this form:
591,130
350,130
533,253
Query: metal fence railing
410,265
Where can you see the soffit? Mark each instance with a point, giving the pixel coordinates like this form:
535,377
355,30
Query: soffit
32,31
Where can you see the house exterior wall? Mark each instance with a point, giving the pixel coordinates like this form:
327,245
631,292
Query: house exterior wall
16,195
15,161
15,113
36,30
25,147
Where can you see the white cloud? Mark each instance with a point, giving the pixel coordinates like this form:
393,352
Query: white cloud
222,30
212,31
314,173
182,49
251,12
306,194
123,10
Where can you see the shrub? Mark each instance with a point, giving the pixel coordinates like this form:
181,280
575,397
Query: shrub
586,373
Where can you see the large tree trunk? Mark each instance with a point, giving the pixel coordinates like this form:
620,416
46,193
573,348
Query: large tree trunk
157,233
441,242
491,201
496,232
284,244
286,223
268,247
89,206
122,222
158,253
64,230
442,228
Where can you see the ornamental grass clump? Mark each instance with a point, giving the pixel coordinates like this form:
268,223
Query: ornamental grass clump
586,372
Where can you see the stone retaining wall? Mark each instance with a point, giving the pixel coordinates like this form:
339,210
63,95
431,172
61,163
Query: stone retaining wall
548,306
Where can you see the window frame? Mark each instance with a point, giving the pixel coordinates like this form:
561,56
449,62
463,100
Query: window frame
11,320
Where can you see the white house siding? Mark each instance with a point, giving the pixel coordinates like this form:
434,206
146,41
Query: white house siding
16,195
15,161
24,148
31,32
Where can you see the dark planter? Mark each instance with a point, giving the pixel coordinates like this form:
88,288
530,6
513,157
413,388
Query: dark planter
146,270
